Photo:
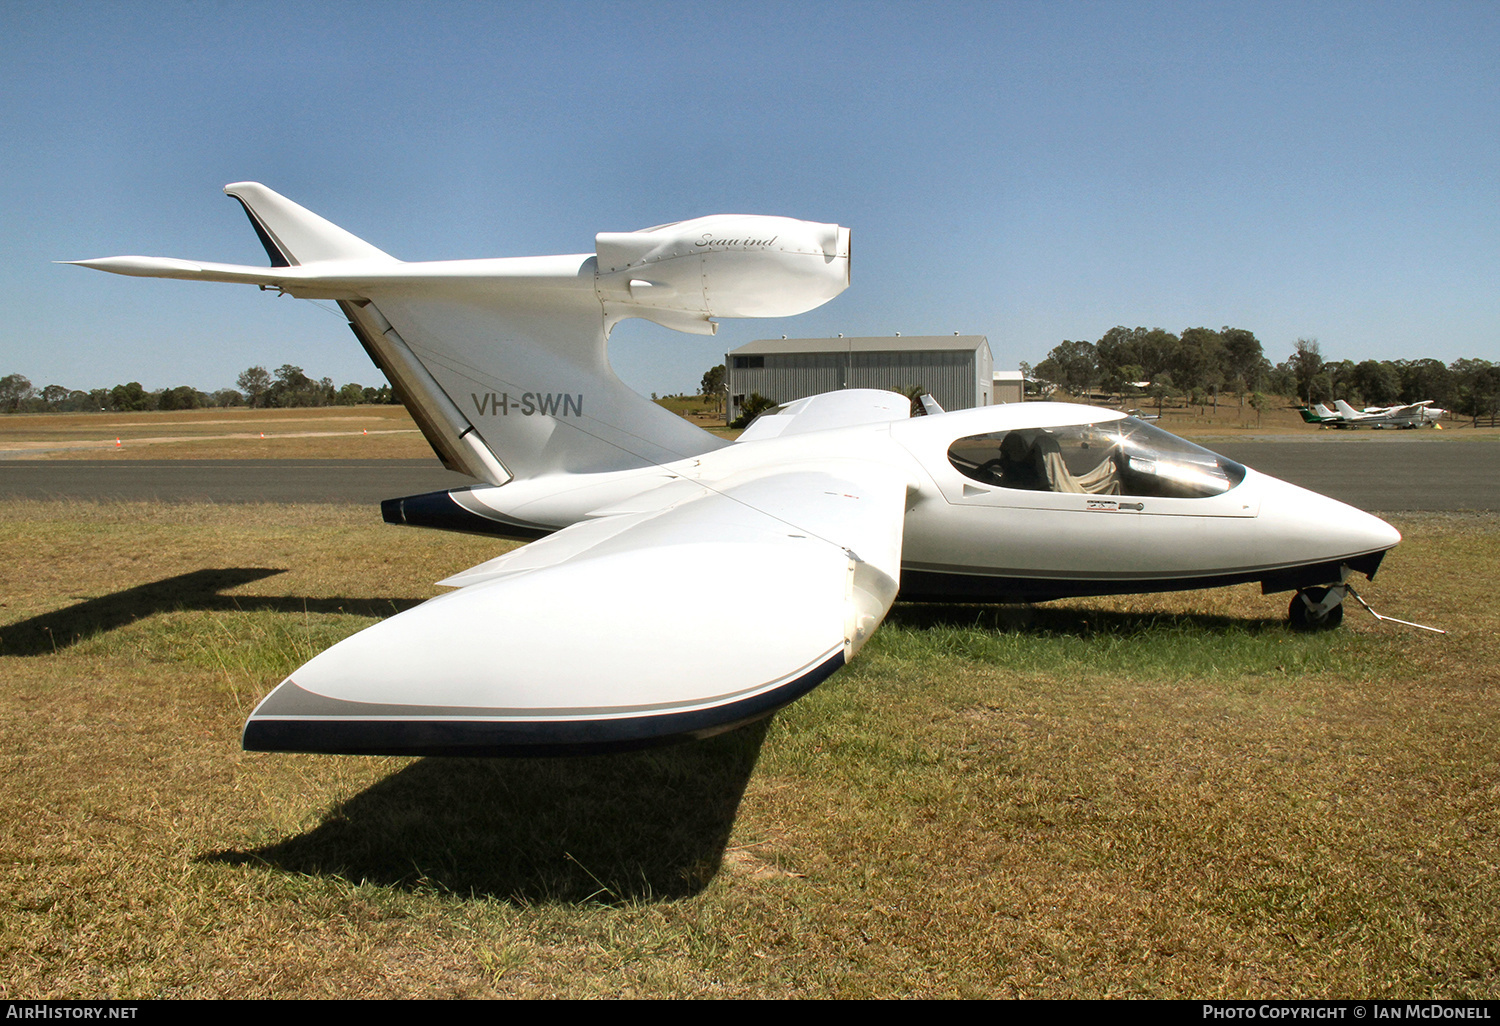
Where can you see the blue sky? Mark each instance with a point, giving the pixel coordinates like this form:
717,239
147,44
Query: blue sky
1026,171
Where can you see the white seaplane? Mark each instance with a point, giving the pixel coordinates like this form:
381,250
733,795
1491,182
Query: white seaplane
820,513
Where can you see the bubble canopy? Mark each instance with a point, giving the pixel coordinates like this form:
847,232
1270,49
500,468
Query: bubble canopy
1115,457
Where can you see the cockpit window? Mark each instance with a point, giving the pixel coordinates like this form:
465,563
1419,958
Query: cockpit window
1117,457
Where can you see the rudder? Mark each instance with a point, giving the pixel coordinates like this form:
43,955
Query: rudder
294,235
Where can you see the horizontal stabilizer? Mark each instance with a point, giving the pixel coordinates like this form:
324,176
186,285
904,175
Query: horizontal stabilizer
345,280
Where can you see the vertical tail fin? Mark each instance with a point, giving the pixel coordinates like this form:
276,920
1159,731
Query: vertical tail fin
294,235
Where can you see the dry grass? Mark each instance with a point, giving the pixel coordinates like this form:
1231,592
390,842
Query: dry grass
337,432
388,432
1158,796
1233,420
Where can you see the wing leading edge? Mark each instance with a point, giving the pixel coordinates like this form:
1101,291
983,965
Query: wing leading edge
622,631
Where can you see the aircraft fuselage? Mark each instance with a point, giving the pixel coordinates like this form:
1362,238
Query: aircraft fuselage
974,537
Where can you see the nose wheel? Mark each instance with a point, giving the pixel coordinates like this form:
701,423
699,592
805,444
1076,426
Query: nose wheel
1317,609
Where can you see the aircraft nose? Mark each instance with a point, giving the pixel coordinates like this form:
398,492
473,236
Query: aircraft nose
1359,531
1299,525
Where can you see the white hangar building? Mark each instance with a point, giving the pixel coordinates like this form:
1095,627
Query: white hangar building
956,370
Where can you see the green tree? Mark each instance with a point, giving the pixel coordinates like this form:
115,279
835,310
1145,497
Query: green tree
1199,360
753,407
713,384
1244,359
1162,389
255,383
54,396
15,389
1258,403
1427,379
1158,351
1131,374
1306,364
129,396
1478,388
1073,365
1117,350
183,397
914,393
293,387
1281,379
1377,381
1337,382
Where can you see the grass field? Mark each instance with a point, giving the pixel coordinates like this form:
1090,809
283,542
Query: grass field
335,432
1159,796
388,432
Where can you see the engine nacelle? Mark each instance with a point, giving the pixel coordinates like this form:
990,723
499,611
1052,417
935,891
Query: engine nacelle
728,265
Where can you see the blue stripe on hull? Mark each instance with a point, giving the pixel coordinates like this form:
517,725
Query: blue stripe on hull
939,586
442,511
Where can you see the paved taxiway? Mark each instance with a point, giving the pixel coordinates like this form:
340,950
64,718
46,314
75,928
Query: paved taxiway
1404,473
1392,474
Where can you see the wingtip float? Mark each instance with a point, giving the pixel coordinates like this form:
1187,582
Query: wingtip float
585,640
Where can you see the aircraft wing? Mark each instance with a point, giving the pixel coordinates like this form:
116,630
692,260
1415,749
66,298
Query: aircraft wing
632,628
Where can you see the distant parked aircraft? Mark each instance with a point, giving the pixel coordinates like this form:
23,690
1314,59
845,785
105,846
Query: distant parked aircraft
1320,414
1412,415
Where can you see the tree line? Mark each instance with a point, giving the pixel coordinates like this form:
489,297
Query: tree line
258,388
1201,362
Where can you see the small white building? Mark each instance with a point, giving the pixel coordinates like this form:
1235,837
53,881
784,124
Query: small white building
1009,387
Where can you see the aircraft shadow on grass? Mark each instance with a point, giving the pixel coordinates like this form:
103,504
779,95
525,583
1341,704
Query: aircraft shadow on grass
638,826
198,590
642,826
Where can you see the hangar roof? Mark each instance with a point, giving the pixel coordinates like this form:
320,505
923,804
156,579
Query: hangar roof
877,344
